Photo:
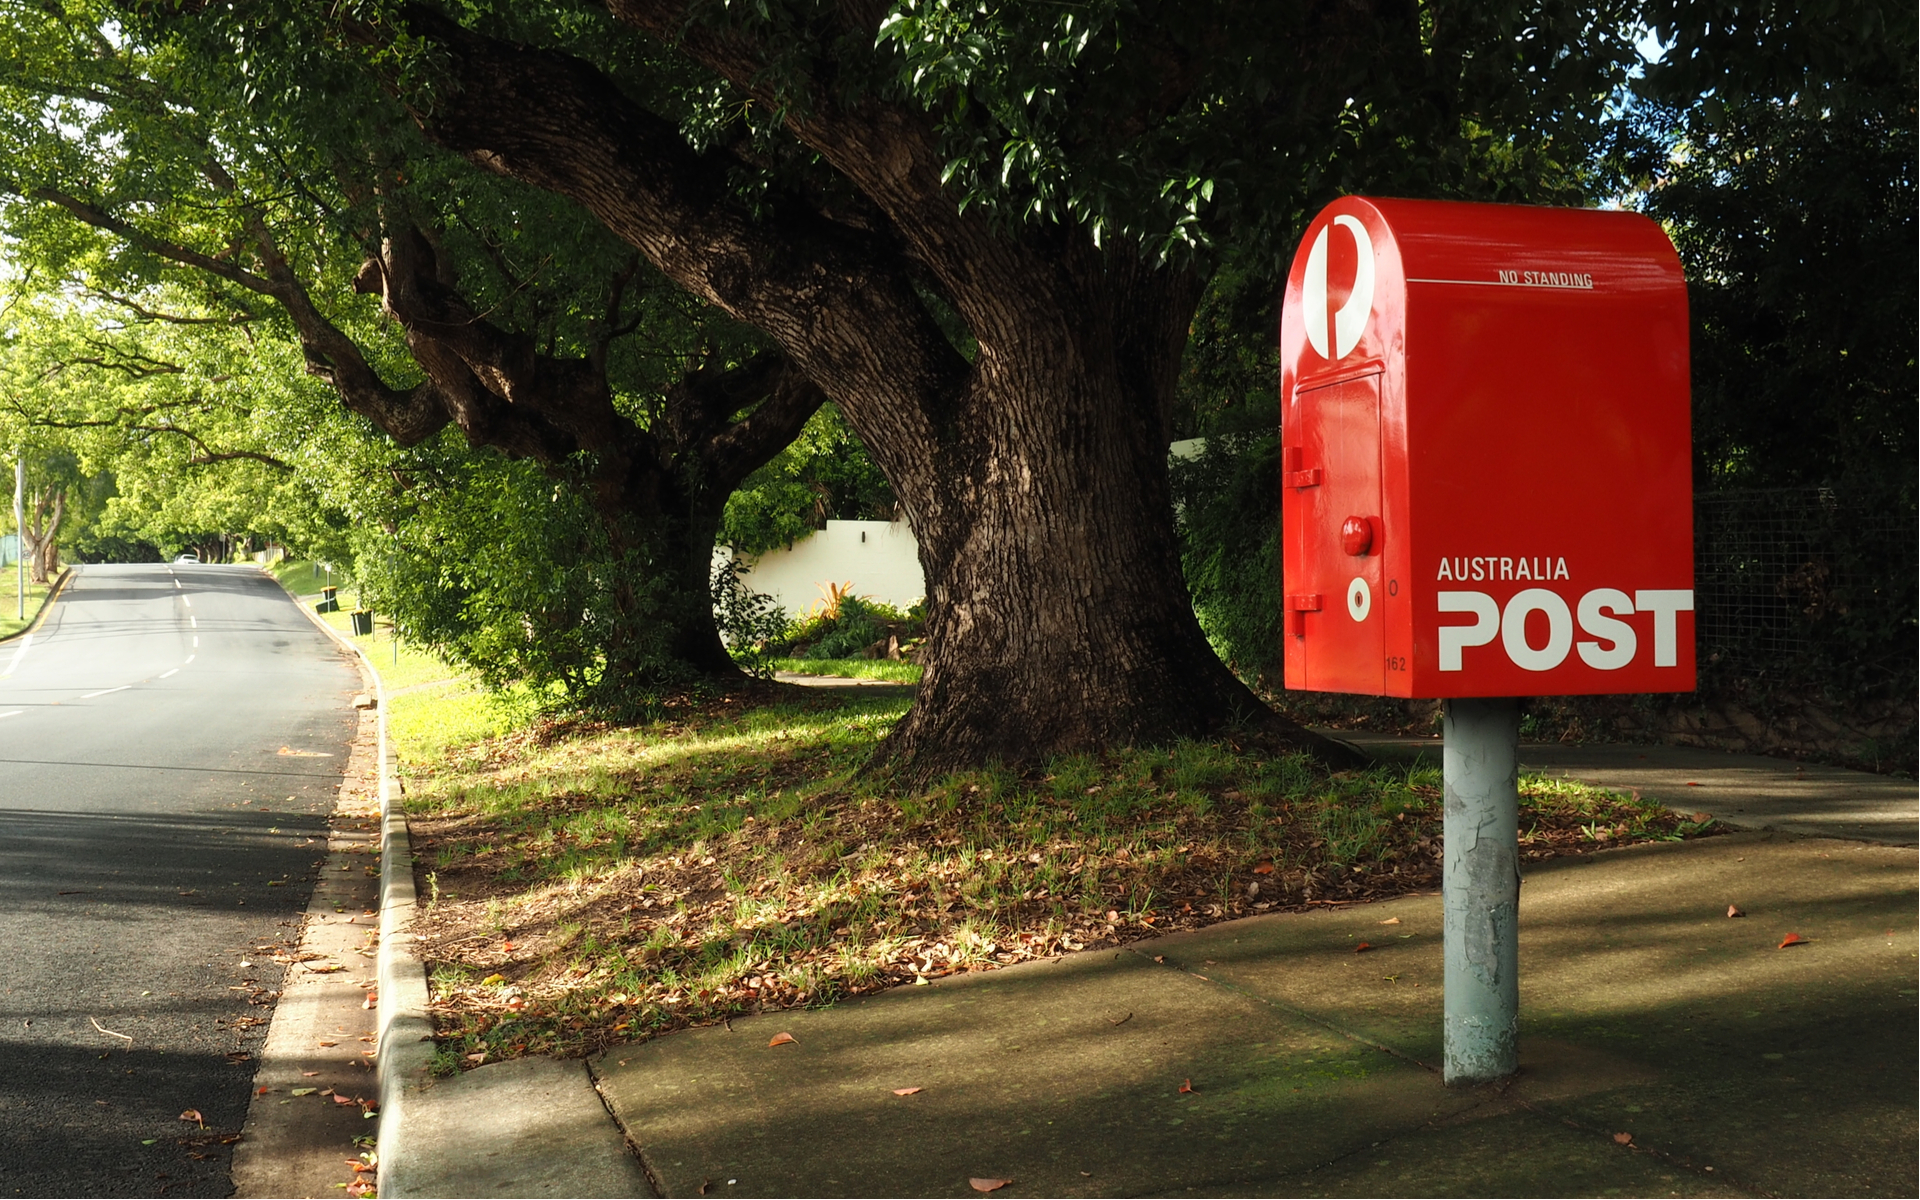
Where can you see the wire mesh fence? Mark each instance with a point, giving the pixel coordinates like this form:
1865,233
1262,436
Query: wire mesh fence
1801,582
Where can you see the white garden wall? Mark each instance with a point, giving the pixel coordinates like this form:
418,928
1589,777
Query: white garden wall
881,559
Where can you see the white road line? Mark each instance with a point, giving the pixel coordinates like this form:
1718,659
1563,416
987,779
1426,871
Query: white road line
196,641
187,600
194,621
108,692
176,583
175,671
15,660
190,658
16,712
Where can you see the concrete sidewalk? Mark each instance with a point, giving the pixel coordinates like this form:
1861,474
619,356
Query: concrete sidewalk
1666,1048
1733,1067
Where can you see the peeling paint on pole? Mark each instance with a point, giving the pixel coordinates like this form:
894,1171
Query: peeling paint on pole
1481,887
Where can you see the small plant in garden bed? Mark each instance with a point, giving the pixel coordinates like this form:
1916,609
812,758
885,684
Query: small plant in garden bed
613,883
851,626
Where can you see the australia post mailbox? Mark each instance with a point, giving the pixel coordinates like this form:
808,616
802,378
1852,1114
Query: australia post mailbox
1486,494
1486,468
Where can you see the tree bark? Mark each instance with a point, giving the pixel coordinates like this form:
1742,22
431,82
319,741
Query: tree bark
45,509
1035,474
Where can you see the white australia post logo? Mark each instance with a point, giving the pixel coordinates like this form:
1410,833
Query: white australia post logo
1351,320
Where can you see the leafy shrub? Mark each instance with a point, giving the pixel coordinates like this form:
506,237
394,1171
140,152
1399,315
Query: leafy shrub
750,622
1228,510
844,629
493,565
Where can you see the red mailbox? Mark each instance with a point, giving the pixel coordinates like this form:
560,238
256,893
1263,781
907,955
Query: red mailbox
1486,478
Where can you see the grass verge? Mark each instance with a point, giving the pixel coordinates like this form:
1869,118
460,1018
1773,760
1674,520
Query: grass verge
431,704
11,621
585,886
852,668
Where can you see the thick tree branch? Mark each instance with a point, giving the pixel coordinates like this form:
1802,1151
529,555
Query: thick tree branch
700,410
838,301
149,314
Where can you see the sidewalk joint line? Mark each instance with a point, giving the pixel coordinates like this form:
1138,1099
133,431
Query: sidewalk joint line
1288,1008
1538,1109
633,1147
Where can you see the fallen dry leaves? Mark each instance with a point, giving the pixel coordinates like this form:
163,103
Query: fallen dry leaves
988,1185
1792,939
1624,1139
866,891
1734,910
783,1039
906,1091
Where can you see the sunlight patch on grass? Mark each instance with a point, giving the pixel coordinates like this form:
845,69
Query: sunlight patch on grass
631,880
891,670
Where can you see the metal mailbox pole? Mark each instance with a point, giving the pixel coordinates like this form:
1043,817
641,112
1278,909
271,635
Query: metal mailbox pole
1481,889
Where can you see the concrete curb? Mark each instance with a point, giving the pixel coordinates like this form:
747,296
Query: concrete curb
403,1051
46,604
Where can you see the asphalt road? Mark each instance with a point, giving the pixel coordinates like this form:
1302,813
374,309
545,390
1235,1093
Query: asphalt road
171,742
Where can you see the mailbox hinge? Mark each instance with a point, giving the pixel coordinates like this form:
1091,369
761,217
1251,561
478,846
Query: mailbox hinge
1295,475
1297,608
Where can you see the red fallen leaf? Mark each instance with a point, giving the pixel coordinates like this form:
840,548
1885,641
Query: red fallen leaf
1623,1138
1363,946
361,1167
372,1000
1690,783
1734,910
783,1039
1265,868
261,1091
193,1114
1186,1088
339,1099
1792,939
989,1185
905,1091
508,946
360,1187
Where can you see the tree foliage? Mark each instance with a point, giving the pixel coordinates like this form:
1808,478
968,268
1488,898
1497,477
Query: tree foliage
272,181
1784,170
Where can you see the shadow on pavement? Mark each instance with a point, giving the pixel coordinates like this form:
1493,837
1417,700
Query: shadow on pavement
1731,1066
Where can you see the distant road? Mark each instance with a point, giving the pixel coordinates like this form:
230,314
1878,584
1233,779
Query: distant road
171,740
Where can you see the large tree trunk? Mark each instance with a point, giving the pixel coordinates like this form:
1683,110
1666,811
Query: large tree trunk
46,508
1035,474
1059,618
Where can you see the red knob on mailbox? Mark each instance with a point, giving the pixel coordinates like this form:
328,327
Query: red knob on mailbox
1356,535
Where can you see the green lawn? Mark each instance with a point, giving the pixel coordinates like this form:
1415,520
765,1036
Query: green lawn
852,668
301,576
432,706
10,621
591,884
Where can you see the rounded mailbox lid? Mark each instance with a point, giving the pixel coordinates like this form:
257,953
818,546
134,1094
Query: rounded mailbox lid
1503,390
